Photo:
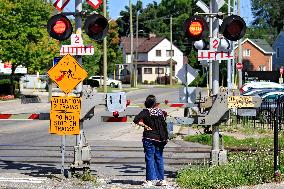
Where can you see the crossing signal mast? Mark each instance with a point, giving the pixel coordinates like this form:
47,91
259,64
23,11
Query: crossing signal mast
233,28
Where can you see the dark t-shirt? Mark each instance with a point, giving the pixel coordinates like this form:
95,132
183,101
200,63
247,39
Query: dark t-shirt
155,119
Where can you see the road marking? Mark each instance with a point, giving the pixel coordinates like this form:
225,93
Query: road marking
25,180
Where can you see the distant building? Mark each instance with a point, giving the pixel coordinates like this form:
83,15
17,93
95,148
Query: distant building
153,58
278,47
257,55
6,69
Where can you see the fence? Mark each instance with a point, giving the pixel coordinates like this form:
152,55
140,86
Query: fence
269,111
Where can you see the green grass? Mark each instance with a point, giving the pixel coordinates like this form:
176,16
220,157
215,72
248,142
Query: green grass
232,142
243,168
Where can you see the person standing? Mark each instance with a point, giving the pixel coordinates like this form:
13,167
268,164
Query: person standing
154,139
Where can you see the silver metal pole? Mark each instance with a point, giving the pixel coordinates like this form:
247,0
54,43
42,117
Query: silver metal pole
240,51
229,62
215,87
215,64
78,30
210,61
105,51
63,141
136,52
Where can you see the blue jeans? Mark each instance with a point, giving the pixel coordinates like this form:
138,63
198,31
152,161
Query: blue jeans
154,159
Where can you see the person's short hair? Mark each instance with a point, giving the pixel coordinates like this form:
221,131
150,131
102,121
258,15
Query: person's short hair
150,101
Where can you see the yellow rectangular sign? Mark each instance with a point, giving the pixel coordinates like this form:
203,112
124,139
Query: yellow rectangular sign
240,102
65,115
64,123
60,103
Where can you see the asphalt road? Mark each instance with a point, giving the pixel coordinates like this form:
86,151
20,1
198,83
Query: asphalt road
26,147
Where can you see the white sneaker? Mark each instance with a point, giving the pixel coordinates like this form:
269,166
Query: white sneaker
148,183
162,183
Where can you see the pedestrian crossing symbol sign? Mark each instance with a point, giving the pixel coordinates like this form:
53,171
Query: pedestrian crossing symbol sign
67,73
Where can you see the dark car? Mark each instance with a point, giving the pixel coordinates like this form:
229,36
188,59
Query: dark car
270,101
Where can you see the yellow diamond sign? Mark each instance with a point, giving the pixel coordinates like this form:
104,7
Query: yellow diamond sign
67,73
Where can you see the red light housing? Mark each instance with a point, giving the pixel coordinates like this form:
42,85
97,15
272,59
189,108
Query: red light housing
196,28
233,27
59,27
115,114
96,26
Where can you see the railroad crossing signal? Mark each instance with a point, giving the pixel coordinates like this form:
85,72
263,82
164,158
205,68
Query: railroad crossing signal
67,73
196,28
59,27
233,28
96,26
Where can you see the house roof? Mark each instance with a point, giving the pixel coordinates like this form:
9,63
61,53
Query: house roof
155,63
261,44
144,44
281,34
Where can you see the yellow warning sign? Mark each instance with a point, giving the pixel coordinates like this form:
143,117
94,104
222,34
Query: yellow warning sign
67,73
65,115
64,123
240,102
68,104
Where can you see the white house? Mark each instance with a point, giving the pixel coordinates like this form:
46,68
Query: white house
153,58
6,68
278,47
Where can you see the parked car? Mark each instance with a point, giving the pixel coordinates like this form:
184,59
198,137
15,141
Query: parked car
261,85
253,92
270,101
110,82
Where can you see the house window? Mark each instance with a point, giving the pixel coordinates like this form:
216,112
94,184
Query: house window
147,70
277,53
158,53
159,71
261,68
247,52
168,53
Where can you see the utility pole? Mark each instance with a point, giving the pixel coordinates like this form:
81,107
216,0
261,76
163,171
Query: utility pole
171,52
239,51
105,52
136,54
131,45
233,47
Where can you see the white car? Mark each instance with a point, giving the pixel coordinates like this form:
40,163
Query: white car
110,82
261,85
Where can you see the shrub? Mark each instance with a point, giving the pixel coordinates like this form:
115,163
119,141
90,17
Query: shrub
145,82
152,82
242,169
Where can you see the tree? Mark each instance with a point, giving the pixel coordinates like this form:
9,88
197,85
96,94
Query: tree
268,14
22,27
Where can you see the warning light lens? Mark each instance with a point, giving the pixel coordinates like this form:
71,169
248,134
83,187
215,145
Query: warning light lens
195,28
59,27
115,114
235,28
127,103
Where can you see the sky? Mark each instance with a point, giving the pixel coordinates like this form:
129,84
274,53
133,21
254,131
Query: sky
115,6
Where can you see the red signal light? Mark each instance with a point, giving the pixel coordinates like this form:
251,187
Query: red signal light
96,26
127,103
233,27
59,27
196,28
115,114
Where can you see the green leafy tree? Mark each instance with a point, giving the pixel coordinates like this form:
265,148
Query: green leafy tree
22,28
268,14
